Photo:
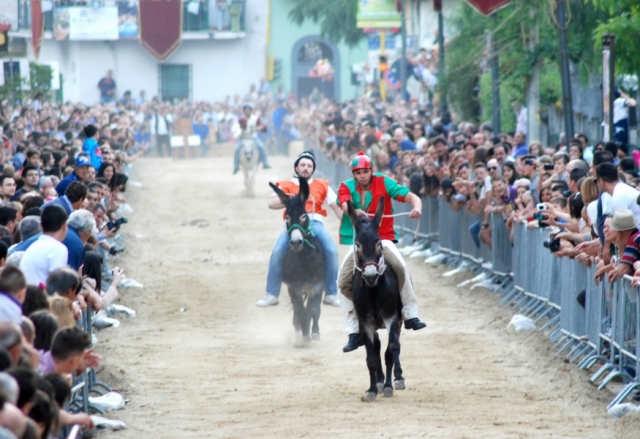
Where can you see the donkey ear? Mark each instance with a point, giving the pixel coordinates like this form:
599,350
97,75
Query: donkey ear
379,211
280,193
304,190
352,213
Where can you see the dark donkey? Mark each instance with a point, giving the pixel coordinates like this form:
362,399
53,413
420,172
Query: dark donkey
303,265
376,298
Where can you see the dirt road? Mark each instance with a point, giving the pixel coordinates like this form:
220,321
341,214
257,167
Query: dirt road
225,368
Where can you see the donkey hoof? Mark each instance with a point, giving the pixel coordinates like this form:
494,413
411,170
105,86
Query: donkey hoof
380,387
369,397
388,392
315,336
399,384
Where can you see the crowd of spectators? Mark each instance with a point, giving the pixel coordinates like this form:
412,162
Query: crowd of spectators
62,185
585,193
62,181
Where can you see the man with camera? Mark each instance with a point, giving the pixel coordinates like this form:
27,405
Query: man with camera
106,229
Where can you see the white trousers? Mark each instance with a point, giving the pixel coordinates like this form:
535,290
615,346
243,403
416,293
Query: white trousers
345,280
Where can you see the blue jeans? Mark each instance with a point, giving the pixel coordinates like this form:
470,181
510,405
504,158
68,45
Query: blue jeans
475,233
259,144
276,262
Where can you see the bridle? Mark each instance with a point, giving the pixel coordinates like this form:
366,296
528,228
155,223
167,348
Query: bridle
381,265
306,233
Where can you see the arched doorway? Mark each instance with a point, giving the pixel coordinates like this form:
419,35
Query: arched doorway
305,54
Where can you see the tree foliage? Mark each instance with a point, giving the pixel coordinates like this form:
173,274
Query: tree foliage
467,79
40,76
337,18
624,22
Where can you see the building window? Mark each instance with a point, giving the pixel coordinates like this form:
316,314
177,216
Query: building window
175,82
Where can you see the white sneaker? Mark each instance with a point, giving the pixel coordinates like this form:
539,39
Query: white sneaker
332,300
268,300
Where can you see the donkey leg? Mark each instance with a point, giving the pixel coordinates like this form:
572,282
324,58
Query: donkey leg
373,359
388,361
315,307
298,317
380,382
247,183
394,348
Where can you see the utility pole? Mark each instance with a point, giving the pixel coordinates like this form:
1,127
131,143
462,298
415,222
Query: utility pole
403,61
533,88
495,81
608,82
567,102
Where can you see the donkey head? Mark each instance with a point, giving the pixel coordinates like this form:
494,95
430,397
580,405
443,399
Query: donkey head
298,222
368,245
248,148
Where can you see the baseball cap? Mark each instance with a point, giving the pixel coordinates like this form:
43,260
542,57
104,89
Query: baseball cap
82,160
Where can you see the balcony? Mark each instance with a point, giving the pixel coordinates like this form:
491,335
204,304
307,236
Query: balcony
201,19
212,15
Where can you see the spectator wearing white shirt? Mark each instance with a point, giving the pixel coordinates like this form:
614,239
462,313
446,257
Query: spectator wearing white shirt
521,117
618,195
47,253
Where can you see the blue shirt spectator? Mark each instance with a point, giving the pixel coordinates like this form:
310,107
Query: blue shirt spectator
75,247
90,146
408,145
63,202
201,129
79,173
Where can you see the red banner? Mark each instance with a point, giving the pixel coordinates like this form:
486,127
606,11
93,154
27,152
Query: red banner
37,26
160,26
488,7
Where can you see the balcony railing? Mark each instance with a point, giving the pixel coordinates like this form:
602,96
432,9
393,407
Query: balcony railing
204,15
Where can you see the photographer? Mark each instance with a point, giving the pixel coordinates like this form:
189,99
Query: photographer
560,161
106,229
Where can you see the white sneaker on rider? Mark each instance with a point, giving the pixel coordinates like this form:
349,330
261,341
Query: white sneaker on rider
332,300
268,300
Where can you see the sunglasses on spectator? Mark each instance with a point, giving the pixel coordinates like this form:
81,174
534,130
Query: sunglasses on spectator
492,168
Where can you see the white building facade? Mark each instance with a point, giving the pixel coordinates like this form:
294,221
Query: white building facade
209,65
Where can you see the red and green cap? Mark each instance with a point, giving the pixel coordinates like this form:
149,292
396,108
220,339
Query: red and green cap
361,161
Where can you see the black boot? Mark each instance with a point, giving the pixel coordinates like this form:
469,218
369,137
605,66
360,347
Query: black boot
414,324
355,341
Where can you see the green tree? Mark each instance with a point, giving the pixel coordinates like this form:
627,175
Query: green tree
466,74
337,18
623,20
40,76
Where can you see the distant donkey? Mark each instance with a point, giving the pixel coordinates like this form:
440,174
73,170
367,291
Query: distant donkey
249,159
303,265
376,298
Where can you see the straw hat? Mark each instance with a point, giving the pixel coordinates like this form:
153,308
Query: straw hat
623,220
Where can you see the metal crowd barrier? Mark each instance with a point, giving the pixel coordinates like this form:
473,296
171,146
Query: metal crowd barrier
500,246
602,330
